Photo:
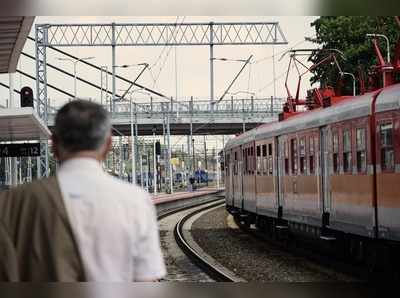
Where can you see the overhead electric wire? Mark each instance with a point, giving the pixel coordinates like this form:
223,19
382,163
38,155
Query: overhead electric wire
283,51
108,72
168,52
70,74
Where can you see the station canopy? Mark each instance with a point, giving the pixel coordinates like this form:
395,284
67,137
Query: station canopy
22,124
17,124
13,34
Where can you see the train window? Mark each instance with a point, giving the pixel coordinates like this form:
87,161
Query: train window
258,160
293,153
361,154
244,164
311,154
270,162
247,161
387,151
303,166
235,165
264,150
335,152
347,151
253,160
286,150
264,154
227,165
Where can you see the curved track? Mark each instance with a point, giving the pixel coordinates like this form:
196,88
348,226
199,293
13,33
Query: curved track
197,259
214,271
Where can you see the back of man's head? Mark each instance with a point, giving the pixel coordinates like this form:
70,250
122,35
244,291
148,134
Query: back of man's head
81,125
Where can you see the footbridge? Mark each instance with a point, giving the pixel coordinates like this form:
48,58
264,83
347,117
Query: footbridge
197,117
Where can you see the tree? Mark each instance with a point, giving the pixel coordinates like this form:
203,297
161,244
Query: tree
348,34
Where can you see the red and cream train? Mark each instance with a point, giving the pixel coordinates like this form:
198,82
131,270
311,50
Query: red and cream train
331,173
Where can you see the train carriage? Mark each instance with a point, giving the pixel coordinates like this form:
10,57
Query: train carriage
332,169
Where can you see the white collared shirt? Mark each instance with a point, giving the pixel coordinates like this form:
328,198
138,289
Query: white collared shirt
114,224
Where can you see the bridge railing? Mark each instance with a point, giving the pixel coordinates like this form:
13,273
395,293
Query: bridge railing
195,108
205,106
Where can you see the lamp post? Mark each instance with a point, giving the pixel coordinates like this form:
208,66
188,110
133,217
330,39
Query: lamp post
133,157
387,43
75,61
146,65
354,80
154,160
105,68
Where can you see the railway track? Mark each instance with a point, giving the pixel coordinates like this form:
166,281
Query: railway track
190,263
299,248
208,267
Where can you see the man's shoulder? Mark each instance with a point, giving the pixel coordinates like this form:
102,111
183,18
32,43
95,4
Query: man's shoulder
130,191
38,186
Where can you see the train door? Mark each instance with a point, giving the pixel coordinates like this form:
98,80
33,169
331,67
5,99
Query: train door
237,184
229,163
240,178
280,160
276,172
325,195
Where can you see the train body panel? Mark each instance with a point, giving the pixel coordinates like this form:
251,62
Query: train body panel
266,178
352,204
335,168
388,165
229,183
249,179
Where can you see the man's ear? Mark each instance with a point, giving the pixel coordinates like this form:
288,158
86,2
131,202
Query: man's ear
55,146
107,146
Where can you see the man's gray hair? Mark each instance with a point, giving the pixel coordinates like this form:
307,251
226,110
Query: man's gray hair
81,125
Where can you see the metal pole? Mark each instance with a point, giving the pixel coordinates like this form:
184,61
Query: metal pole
13,160
171,185
205,158
120,157
243,117
211,67
176,82
141,171
137,143
154,163
29,174
217,163
101,85
133,156
193,159
188,163
113,68
273,69
272,105
192,141
147,168
75,78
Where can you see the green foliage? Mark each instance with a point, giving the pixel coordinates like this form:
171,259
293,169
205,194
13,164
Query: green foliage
348,34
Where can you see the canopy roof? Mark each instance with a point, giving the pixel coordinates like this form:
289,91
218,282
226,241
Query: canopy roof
13,34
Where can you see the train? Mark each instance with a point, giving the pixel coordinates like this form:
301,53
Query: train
329,173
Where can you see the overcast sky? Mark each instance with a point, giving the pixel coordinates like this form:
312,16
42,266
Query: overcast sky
193,72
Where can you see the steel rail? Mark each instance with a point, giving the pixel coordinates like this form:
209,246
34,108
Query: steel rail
199,260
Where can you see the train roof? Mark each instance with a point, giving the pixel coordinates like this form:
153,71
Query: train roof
356,107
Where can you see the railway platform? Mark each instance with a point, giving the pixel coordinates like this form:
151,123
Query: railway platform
182,195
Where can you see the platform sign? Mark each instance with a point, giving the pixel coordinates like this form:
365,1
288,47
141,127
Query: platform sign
19,150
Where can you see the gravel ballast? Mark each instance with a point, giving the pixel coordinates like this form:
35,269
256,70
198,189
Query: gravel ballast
252,259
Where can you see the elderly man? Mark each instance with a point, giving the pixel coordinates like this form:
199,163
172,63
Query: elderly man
82,224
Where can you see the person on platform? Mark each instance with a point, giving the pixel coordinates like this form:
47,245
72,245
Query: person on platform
81,224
